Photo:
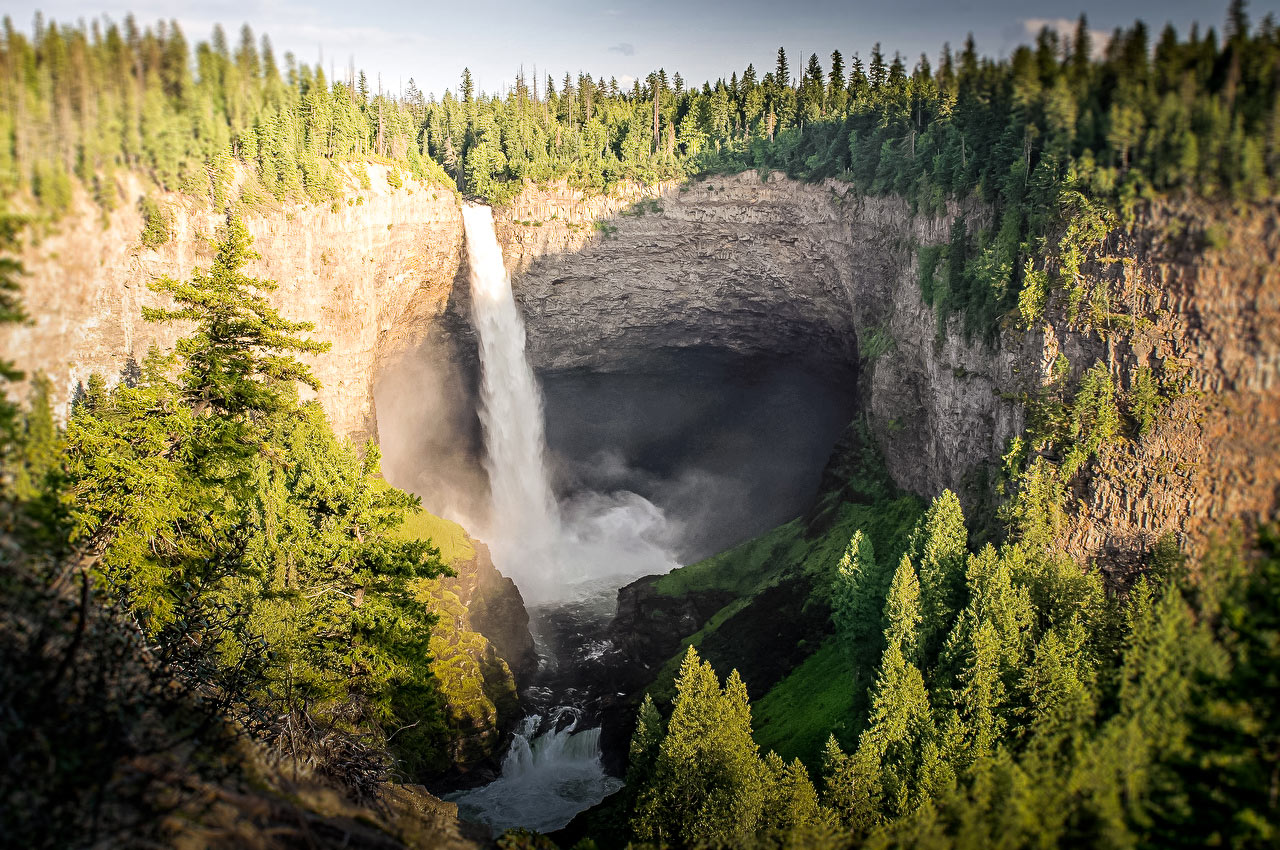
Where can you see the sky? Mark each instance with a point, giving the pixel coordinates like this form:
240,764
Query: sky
431,41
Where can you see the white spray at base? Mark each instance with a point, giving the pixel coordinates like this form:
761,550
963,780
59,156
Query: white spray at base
550,553
545,781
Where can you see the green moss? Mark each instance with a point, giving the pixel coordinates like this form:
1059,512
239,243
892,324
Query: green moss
797,714
449,537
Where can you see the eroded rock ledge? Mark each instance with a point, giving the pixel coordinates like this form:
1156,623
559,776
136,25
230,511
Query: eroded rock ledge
770,267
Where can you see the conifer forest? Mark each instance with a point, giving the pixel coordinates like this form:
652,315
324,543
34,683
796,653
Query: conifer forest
853,449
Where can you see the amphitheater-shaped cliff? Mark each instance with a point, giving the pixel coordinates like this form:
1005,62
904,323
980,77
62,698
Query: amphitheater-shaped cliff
767,267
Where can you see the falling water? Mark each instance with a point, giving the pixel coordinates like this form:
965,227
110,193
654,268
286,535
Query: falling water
546,779
524,508
552,769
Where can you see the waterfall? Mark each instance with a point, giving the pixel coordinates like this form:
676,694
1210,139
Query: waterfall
600,535
523,506
546,779
552,770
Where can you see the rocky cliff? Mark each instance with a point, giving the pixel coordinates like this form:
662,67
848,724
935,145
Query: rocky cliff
815,271
351,267
772,267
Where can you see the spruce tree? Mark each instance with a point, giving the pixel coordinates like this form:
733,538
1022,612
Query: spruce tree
939,548
857,592
707,784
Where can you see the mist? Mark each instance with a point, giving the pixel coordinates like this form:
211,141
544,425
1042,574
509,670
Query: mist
693,452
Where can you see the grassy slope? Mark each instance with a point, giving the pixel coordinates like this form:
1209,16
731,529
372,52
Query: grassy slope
449,537
817,699
795,716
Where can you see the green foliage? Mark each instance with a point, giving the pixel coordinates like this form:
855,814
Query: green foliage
856,587
938,548
706,781
879,341
157,226
1095,419
238,363
1046,136
703,783
797,716
11,311
204,485
38,443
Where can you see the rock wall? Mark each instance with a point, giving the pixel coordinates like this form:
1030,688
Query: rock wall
772,267
809,270
351,268
1200,285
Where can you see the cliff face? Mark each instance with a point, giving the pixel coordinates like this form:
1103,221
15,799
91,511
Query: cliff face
351,268
789,270
777,268
1211,314
813,271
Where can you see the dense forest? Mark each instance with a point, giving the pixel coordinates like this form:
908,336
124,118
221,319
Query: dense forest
193,560
1039,137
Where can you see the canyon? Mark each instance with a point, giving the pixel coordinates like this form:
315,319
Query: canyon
692,294
767,268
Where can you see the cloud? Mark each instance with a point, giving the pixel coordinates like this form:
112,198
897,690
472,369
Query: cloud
626,48
1064,27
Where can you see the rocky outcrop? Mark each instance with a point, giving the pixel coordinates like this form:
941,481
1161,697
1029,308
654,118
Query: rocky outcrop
496,610
649,625
747,266
1200,286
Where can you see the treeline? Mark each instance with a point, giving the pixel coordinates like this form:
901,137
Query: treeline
86,102
194,562
1195,113
1052,140
1014,701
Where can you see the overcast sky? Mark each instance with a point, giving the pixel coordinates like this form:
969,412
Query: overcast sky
702,39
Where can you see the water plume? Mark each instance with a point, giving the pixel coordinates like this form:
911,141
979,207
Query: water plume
550,553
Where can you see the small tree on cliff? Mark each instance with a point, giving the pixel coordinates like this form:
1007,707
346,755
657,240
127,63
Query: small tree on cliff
239,361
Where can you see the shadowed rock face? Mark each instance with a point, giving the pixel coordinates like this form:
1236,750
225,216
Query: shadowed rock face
773,269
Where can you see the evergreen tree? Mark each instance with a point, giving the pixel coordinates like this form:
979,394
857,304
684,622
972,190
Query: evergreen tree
10,312
939,547
858,588
707,784
902,612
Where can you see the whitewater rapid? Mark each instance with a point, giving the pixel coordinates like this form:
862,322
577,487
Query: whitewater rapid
546,778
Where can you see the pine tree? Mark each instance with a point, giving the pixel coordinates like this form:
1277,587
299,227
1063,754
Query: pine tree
939,548
902,612
837,94
857,591
645,741
238,364
707,783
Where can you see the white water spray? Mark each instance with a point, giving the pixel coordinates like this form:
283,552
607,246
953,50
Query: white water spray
549,555
525,517
546,779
